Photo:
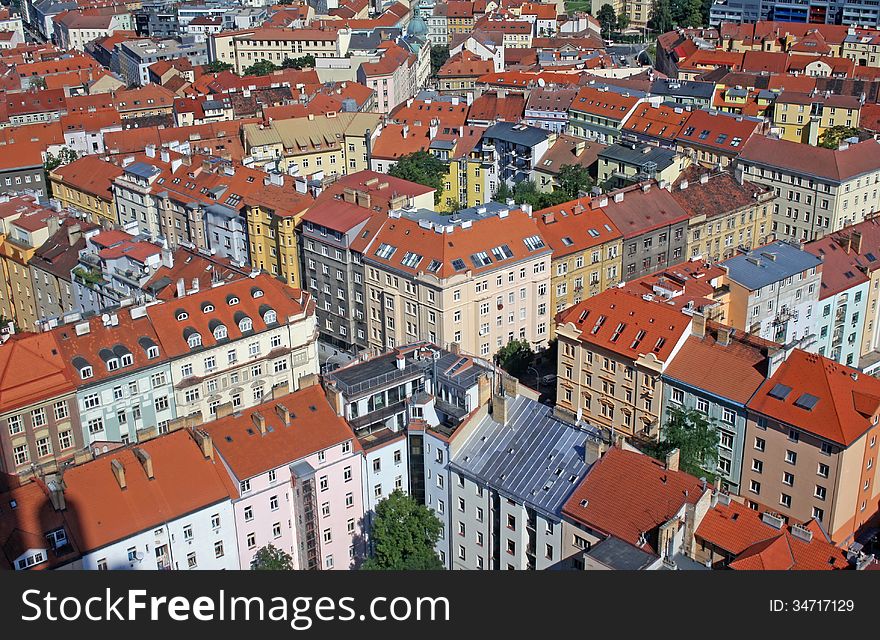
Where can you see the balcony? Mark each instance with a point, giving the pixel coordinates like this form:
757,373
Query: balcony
379,415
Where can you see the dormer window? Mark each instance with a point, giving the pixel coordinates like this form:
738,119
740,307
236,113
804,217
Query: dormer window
127,360
245,324
149,347
232,301
207,307
86,372
112,364
182,315
194,340
220,332
256,293
153,352
270,317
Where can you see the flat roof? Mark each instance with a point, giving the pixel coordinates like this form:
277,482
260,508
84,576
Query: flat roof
770,263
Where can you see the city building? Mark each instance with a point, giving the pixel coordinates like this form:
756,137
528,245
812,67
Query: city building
811,443
298,472
774,293
804,117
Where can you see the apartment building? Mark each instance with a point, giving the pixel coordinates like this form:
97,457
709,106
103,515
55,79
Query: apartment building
113,267
654,227
714,138
86,185
632,512
298,472
613,350
335,232
510,478
39,421
335,143
52,264
843,300
235,342
243,48
133,58
518,149
804,117
478,279
24,227
819,191
586,249
725,215
811,443
599,111
716,373
774,292
626,163
122,374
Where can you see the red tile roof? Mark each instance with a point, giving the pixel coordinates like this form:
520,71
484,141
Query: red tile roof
490,107
314,426
628,325
32,369
847,400
284,300
741,532
25,526
91,175
687,284
607,104
832,164
663,122
574,226
840,265
99,512
628,494
718,131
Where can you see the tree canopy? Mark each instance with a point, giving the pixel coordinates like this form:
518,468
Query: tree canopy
404,533
515,357
572,179
833,136
261,68
217,66
65,156
439,56
304,62
607,19
271,558
423,168
694,435
661,19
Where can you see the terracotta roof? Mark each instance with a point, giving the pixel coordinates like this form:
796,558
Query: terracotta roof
720,195
641,211
99,512
733,371
663,121
840,265
392,143
717,130
465,64
25,526
628,325
573,226
90,174
757,545
192,265
450,112
608,104
314,426
847,401
172,333
627,494
831,164
492,107
688,284
31,370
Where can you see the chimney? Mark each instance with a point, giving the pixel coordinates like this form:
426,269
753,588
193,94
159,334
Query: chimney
55,484
698,325
206,444
405,131
283,413
724,334
593,450
146,462
181,288
672,460
118,470
74,233
401,362
683,185
856,241
704,178
349,195
259,422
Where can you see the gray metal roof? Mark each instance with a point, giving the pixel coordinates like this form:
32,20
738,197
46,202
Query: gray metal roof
770,263
641,155
142,170
622,556
535,459
517,133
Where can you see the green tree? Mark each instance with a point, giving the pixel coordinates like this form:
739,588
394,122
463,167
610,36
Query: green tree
271,558
65,156
572,179
439,56
304,62
693,13
833,136
217,66
423,168
694,435
661,19
404,533
503,193
622,22
515,357
607,19
261,68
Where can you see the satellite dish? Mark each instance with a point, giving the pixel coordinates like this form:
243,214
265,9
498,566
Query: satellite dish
541,82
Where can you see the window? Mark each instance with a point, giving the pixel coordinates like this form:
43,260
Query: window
346,474
327,536
188,532
820,492
791,457
273,503
16,425
785,500
823,470
787,478
218,549
760,444
349,500
323,483
276,530
251,541
755,487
